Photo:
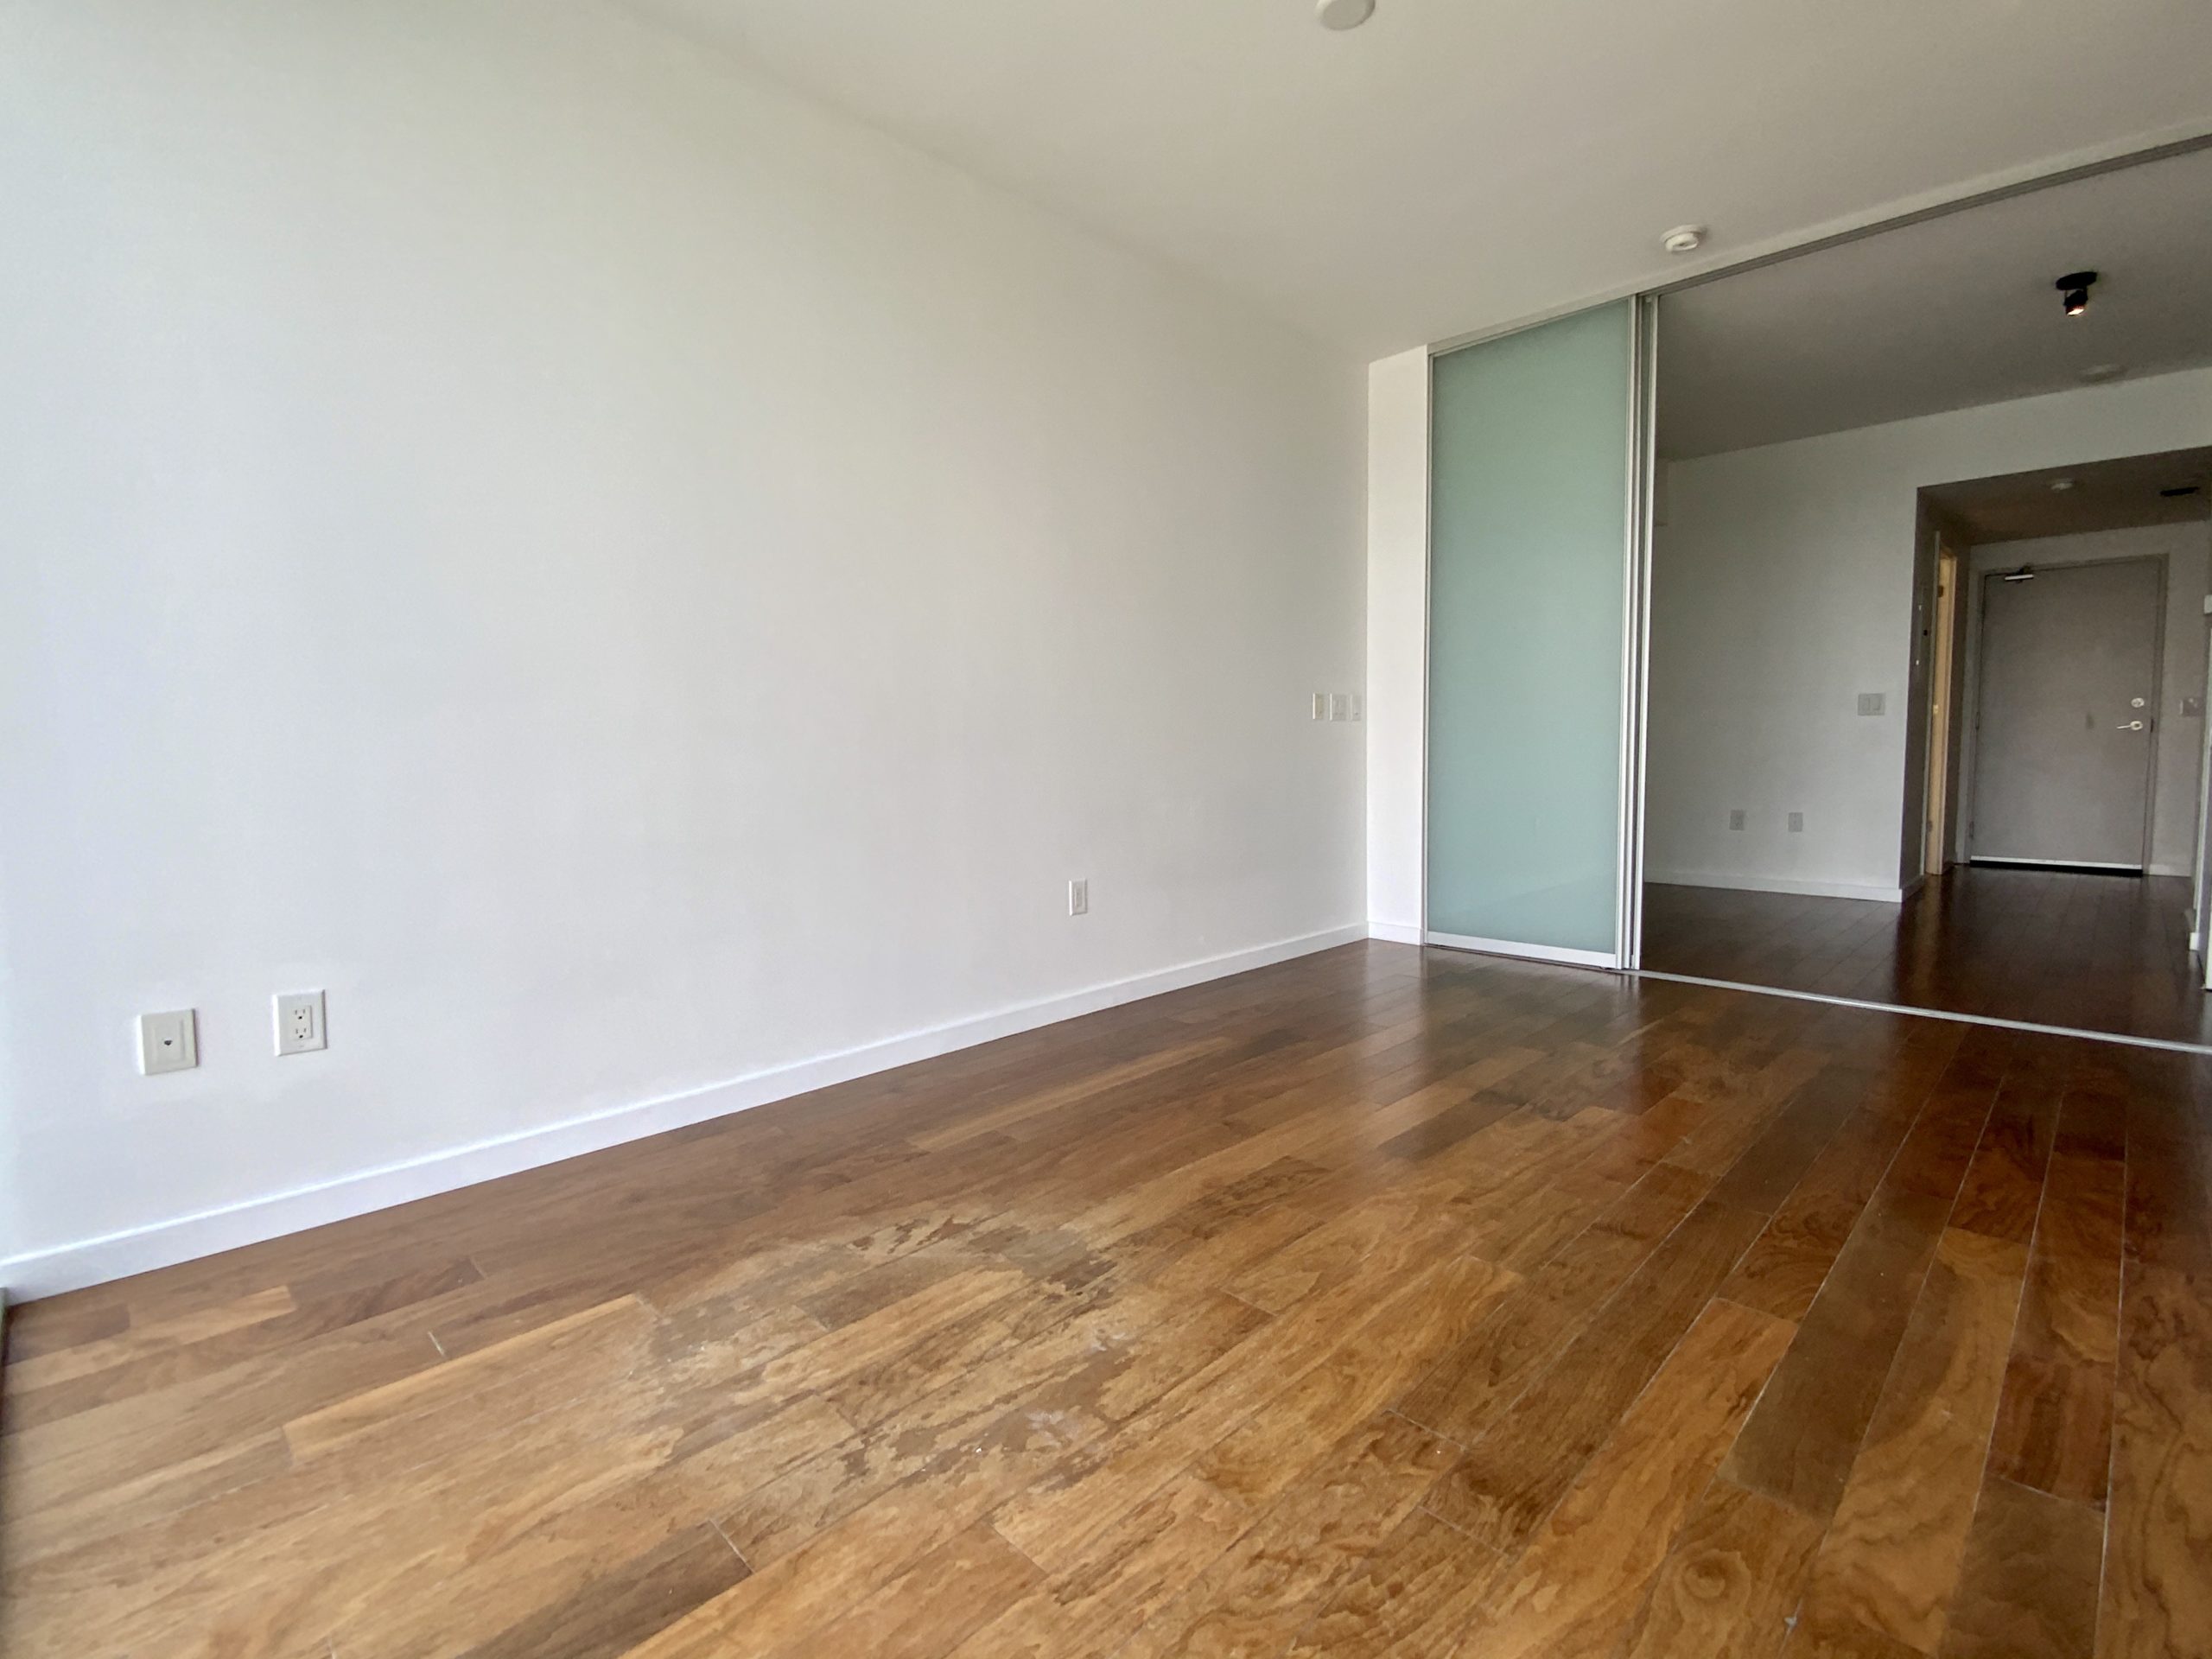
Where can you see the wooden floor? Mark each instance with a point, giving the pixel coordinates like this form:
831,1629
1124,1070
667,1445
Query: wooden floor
2089,953
1379,1302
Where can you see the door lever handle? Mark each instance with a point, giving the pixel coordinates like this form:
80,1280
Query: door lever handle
2131,726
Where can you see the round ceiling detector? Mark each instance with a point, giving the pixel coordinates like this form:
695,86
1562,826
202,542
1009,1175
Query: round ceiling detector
1683,238
1343,14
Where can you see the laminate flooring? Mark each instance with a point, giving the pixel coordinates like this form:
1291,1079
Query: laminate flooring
1383,1302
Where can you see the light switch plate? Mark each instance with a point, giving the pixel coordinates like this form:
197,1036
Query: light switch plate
1079,897
1339,706
300,1022
1871,702
1796,824
167,1042
1320,705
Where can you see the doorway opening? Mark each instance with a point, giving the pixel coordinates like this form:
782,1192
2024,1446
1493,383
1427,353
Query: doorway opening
1928,658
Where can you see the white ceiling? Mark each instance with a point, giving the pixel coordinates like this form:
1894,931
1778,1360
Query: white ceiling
1946,313
2098,495
1456,164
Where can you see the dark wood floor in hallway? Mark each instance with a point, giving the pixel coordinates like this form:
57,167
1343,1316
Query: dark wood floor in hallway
1380,1302
2086,951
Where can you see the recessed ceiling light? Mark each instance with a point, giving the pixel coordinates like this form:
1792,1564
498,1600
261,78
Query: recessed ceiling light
2061,485
2073,289
2098,373
1343,14
1684,239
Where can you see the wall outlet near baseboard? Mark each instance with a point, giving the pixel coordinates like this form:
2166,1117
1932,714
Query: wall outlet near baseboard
1079,897
300,1023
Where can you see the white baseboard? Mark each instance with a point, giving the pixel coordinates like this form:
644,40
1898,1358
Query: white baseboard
163,1243
1395,933
1778,884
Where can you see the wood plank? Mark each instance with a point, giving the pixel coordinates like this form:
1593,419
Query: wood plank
2054,1425
926,1611
1258,1592
1784,1269
1134,1568
1798,1447
1513,1475
2157,1601
608,1616
1891,1559
1578,1587
2029,1586
1413,1597
1463,1394
1730,1587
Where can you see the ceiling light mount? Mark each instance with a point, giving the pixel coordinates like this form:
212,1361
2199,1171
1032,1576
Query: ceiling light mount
1684,239
1343,14
2074,289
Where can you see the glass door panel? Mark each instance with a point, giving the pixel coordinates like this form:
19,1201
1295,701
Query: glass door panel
1529,579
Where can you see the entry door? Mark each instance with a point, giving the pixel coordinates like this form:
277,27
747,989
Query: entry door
2063,746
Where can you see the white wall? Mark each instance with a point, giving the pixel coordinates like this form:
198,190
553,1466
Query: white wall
640,587
1397,637
2181,666
1782,587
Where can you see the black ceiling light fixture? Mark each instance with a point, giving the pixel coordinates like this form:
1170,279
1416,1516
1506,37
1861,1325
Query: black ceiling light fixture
2075,286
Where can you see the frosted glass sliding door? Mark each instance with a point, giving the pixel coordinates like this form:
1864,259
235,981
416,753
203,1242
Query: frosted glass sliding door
1534,558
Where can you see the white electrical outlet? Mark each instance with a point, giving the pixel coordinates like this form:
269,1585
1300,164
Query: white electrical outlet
299,1022
1358,706
167,1042
1735,817
1871,702
1339,706
1796,824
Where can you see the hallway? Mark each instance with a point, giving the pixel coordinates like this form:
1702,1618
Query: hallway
2089,952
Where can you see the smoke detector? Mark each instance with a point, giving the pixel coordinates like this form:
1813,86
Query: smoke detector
1343,14
1684,239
